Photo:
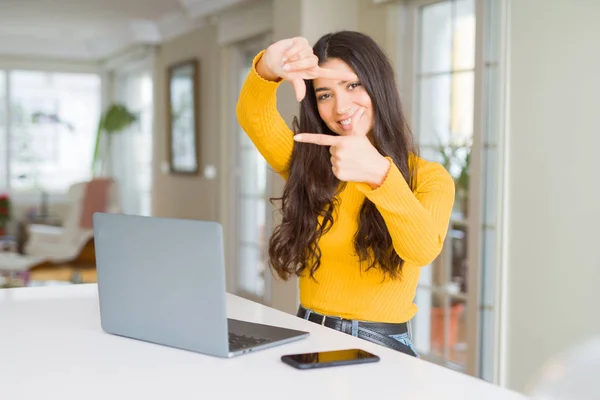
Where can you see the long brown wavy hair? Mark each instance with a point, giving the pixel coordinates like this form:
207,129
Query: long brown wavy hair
311,188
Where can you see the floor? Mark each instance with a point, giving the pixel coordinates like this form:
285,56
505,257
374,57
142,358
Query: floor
56,276
63,274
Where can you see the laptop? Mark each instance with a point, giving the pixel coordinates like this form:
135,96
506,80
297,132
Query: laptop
162,280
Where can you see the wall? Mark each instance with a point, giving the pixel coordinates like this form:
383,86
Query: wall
552,260
192,197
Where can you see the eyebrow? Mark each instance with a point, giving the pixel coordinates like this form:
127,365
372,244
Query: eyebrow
323,89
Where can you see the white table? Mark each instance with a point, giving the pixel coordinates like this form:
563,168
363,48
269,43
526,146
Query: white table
52,347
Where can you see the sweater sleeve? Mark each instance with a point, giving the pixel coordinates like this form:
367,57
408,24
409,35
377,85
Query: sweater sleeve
257,114
418,222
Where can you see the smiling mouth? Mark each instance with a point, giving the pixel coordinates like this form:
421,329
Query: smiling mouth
349,123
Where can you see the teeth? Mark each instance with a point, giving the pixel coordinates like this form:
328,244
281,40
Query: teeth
346,121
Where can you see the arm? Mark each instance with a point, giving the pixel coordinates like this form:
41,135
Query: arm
417,222
257,114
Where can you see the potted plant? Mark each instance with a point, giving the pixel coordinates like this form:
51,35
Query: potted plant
115,119
455,157
4,213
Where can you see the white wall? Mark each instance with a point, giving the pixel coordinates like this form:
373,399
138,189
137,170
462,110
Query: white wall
181,196
553,204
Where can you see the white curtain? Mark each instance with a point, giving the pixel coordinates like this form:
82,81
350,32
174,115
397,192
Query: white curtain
131,158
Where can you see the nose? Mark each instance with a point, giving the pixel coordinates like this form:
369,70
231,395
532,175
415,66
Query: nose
343,104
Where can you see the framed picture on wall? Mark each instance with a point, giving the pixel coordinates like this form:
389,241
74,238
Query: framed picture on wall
182,117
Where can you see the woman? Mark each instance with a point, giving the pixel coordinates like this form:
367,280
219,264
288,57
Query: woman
361,211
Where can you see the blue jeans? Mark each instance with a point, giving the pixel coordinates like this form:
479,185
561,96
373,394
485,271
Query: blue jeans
403,338
406,340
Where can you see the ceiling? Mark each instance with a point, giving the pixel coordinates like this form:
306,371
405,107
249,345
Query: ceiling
95,29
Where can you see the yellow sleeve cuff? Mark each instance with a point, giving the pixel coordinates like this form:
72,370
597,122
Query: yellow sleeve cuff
393,186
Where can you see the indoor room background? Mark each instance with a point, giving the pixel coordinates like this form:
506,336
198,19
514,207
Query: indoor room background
503,93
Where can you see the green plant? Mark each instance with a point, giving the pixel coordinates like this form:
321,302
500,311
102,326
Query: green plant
456,158
115,119
4,212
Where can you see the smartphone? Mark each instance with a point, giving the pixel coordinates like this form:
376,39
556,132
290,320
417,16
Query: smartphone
329,358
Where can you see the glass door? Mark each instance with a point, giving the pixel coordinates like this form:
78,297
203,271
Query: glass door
457,122
4,145
444,83
251,189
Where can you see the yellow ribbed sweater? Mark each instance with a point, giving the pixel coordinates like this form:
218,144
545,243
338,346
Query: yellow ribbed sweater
417,221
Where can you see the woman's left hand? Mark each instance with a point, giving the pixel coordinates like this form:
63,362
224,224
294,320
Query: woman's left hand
353,158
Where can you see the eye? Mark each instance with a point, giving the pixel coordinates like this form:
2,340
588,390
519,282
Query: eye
323,96
354,85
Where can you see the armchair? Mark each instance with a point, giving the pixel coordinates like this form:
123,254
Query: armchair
52,245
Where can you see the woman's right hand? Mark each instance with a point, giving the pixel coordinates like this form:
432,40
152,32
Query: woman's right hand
293,60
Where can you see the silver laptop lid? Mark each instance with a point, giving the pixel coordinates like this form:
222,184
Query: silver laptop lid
162,280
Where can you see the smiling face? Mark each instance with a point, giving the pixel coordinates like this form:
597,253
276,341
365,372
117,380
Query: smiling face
345,106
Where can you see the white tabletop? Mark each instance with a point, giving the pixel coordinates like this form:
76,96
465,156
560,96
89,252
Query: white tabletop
52,347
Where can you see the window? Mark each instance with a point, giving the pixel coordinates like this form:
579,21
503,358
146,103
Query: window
445,80
50,129
3,125
132,149
251,185
252,207
456,323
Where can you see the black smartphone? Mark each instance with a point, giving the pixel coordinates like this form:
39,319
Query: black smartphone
329,358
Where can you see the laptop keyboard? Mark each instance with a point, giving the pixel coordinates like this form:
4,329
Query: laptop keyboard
242,341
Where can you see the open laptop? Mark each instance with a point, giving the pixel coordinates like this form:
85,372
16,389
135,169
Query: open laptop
162,280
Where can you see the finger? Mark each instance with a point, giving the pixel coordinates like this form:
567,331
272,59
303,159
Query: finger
302,64
298,44
335,171
296,57
304,53
290,76
309,74
299,88
317,138
327,73
359,116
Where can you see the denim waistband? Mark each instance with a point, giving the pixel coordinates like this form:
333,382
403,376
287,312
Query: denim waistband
351,325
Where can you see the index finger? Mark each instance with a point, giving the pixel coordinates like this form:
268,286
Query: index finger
326,73
317,138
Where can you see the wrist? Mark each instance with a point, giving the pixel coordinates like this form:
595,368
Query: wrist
379,172
263,70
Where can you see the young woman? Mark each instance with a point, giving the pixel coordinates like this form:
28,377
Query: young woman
362,213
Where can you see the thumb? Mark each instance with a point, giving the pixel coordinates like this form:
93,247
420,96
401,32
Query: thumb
299,88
